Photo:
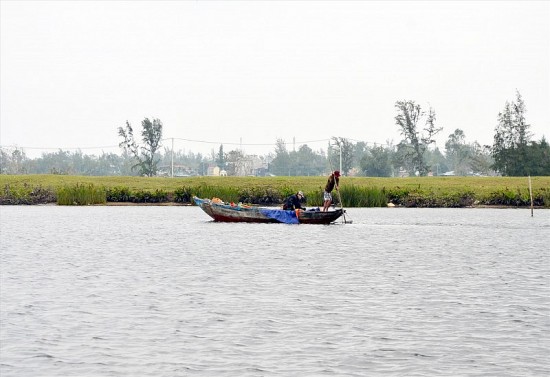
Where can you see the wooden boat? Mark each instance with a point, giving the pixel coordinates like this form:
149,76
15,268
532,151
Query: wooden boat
224,212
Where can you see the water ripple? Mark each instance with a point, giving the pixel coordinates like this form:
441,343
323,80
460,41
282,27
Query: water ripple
155,291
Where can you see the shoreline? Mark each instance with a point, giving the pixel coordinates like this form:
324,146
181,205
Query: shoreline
173,204
419,192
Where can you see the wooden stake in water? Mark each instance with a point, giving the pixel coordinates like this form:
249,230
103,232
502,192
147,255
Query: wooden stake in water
531,195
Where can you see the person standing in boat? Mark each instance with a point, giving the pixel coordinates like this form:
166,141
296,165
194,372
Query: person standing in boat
332,183
294,201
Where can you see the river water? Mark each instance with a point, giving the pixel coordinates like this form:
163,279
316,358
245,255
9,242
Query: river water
164,291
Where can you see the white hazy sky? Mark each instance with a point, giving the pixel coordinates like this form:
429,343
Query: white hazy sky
72,72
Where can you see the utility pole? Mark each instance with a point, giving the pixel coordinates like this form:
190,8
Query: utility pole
172,163
340,159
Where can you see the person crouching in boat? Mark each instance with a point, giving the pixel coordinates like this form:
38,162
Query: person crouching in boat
294,201
333,182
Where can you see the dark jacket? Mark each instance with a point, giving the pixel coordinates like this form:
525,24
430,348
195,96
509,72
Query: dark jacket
332,181
292,202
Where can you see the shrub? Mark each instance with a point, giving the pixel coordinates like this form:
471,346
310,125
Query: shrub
26,194
183,195
118,194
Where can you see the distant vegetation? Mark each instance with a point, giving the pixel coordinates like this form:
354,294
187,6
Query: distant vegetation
513,153
355,192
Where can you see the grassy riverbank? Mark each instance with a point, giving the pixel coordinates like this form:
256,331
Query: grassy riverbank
356,192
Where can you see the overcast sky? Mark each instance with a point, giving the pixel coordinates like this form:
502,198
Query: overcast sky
72,72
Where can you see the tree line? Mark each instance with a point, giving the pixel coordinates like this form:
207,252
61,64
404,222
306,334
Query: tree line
513,153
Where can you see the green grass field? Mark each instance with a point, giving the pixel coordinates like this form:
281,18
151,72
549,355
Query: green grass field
411,192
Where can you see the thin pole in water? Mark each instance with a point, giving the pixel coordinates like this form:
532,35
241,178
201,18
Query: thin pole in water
531,195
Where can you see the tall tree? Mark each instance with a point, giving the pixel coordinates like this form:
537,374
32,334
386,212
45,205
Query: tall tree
511,139
481,159
342,153
378,162
221,158
458,152
539,156
436,161
416,142
280,165
151,135
16,163
236,163
306,162
360,150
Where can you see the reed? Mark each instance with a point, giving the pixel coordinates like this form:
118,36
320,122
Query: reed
314,198
355,196
80,194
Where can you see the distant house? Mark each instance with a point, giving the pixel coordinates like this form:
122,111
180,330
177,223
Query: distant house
250,165
402,172
179,170
213,170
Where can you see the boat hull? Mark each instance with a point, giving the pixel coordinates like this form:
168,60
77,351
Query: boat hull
226,213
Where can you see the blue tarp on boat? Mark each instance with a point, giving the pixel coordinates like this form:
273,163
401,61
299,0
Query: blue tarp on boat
287,217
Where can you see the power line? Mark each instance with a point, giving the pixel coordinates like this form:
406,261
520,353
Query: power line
246,144
56,148
165,139
12,147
